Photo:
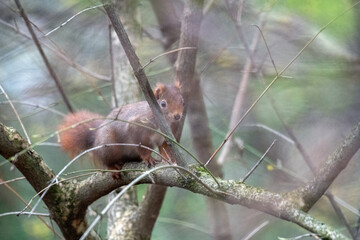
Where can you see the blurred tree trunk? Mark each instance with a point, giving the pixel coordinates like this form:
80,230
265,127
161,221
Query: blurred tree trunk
126,87
169,25
201,137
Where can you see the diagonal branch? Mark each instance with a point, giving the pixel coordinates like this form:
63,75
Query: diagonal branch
277,77
16,113
42,53
337,161
142,79
38,174
61,54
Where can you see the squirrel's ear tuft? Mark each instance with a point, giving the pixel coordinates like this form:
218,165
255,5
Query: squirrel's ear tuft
177,84
159,90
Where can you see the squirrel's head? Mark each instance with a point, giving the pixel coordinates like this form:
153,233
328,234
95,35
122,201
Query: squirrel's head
170,101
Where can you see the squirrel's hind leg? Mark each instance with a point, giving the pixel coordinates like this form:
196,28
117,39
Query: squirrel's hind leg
146,157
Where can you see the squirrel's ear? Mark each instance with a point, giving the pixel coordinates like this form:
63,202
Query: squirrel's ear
159,90
177,84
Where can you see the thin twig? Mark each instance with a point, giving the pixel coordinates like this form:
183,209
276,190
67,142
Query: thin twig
302,236
276,78
340,214
60,54
277,133
216,55
42,53
25,213
92,171
256,230
16,113
289,131
259,161
185,224
300,147
72,17
48,108
267,47
208,7
166,53
96,89
239,12
23,201
49,144
347,206
11,180
242,89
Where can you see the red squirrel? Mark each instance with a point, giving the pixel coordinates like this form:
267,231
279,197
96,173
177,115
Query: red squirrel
96,131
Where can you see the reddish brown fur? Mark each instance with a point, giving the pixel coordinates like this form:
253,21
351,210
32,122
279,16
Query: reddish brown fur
80,138
75,131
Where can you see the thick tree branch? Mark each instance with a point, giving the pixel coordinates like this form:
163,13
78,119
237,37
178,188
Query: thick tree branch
16,149
281,206
29,163
229,191
190,28
149,210
311,192
87,191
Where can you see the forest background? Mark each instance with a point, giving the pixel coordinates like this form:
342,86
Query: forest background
316,99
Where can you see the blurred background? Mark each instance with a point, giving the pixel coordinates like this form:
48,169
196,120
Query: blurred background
317,97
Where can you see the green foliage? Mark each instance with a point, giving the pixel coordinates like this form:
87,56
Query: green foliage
317,13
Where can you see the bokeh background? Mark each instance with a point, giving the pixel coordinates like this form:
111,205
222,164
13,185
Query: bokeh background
318,98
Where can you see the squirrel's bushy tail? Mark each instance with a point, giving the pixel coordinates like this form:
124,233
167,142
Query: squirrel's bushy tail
77,131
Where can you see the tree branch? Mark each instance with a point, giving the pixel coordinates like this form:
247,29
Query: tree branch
149,209
311,192
42,53
169,24
88,190
58,52
229,191
282,206
38,174
195,106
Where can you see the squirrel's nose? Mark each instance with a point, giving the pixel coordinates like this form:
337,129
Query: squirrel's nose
177,117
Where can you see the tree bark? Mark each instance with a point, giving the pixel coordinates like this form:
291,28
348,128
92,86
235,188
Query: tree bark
76,197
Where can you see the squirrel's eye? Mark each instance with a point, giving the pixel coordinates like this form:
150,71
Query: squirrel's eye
163,103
